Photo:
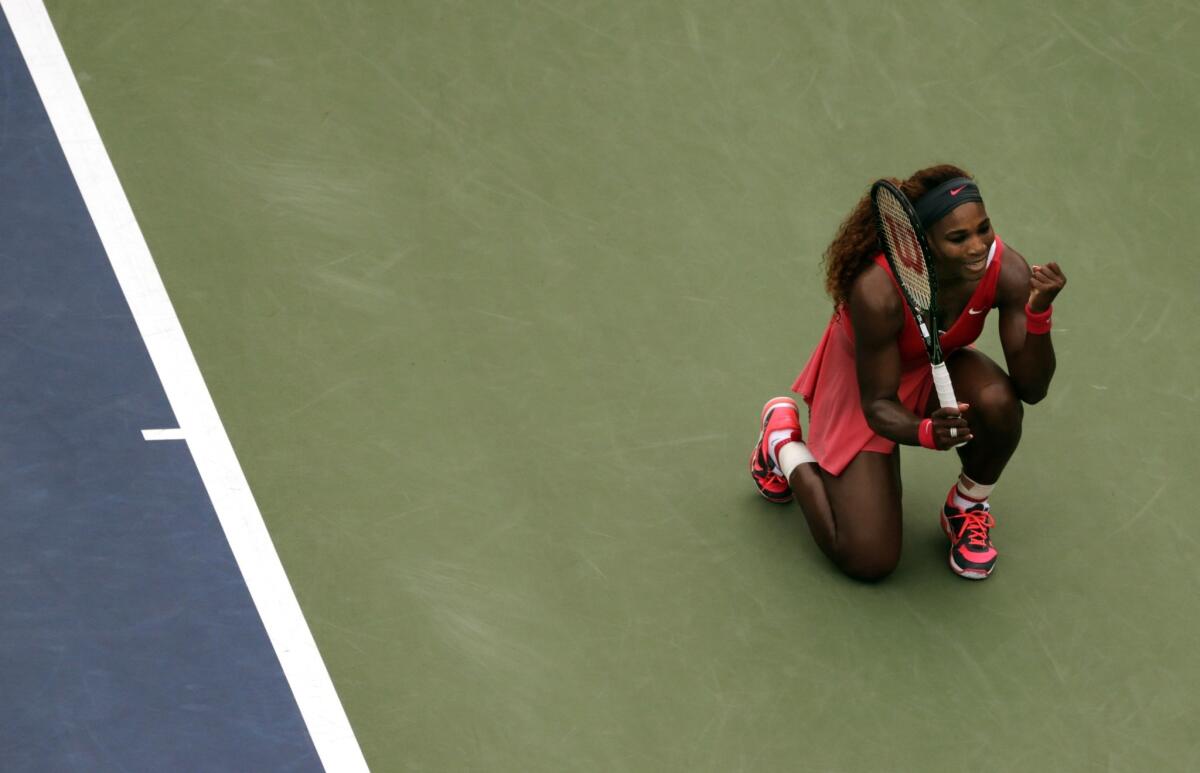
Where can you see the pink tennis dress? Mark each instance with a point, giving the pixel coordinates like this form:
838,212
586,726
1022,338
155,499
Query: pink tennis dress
838,430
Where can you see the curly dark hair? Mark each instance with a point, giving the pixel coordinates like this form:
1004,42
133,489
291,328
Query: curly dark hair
856,243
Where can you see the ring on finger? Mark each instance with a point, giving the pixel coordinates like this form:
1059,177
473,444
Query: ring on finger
954,432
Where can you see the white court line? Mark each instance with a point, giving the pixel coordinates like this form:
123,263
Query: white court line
185,388
163,434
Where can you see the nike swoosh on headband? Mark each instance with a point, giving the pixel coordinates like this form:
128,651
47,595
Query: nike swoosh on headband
956,191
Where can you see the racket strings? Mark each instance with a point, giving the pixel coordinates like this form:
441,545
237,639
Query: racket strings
905,248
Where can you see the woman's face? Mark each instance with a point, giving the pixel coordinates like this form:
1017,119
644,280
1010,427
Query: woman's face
961,241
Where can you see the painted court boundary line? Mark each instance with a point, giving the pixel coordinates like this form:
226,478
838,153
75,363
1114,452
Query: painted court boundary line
163,434
199,423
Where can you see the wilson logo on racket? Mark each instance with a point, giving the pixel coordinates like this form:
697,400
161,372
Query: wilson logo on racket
910,252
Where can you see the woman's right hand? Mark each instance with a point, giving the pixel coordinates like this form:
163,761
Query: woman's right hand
947,419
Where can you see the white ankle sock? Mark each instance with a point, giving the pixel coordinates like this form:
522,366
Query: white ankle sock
791,456
777,439
968,493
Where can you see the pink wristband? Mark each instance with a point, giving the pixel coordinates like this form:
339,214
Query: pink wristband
925,434
1037,323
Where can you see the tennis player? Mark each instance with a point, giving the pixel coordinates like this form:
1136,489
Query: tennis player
869,388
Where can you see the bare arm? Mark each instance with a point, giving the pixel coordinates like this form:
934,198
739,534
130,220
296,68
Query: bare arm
1030,358
877,313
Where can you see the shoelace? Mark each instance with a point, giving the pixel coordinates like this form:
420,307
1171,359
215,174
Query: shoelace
975,525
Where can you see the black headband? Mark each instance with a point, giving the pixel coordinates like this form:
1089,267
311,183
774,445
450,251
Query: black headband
945,198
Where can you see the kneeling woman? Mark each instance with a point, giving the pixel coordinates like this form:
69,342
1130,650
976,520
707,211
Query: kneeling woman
868,385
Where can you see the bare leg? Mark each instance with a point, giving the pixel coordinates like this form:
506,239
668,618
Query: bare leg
995,414
854,517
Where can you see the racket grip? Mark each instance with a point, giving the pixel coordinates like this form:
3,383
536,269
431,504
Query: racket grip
945,390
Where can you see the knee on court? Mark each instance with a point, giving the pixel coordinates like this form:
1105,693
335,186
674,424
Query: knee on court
868,562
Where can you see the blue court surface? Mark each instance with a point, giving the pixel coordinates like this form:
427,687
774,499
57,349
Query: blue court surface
128,640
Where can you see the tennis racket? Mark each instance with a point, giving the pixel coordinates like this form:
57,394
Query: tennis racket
911,262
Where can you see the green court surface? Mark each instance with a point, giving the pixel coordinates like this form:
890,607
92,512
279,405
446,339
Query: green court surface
489,295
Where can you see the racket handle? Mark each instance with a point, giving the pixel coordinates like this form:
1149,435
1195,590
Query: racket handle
945,390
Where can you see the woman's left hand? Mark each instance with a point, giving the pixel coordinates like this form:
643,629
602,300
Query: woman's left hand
1045,283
